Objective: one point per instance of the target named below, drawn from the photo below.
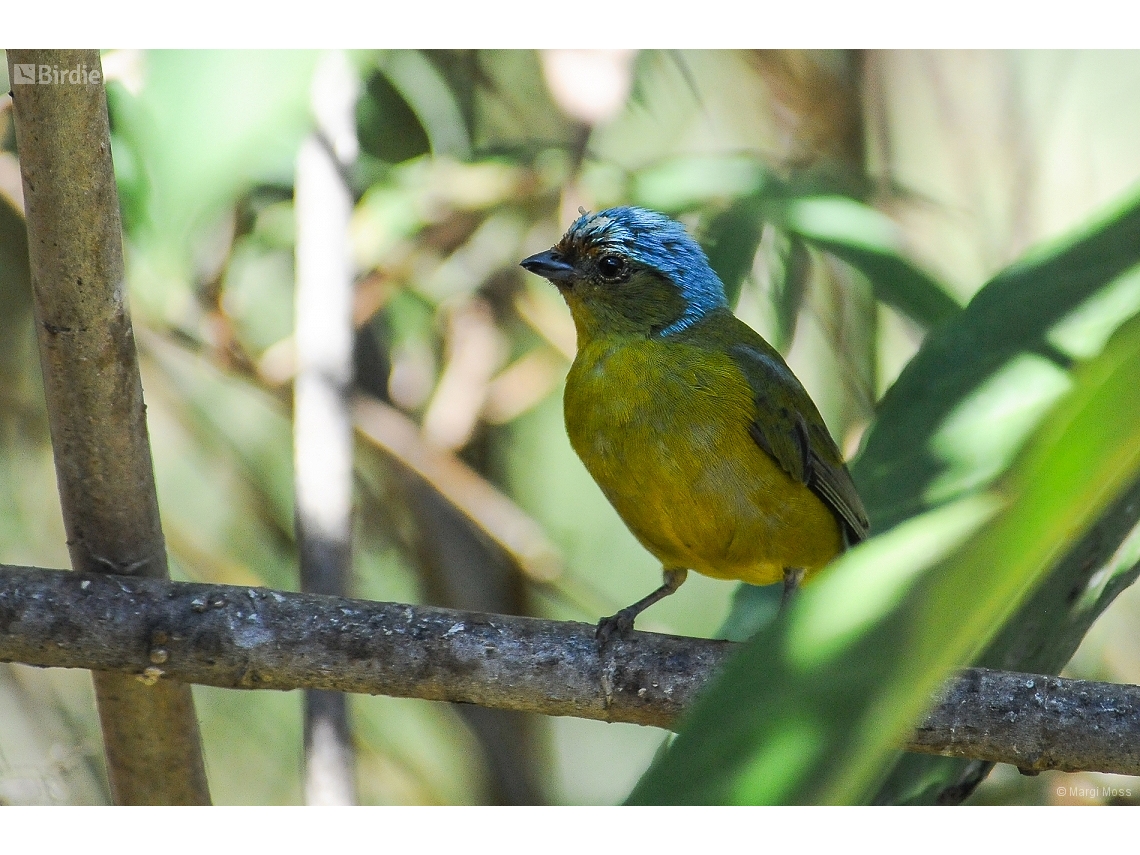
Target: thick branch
(1035, 722)
(254, 638)
(94, 396)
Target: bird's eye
(611, 266)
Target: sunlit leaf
(1062, 302)
(206, 124)
(991, 366)
(1086, 287)
(204, 128)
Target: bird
(693, 426)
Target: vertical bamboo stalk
(322, 416)
(94, 399)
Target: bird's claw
(610, 629)
(615, 626)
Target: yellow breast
(663, 427)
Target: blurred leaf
(789, 289)
(820, 107)
(435, 104)
(206, 124)
(753, 608)
(513, 113)
(844, 675)
(730, 240)
(223, 468)
(257, 292)
(387, 127)
(127, 118)
(856, 233)
(462, 498)
(684, 183)
(20, 385)
(462, 70)
(867, 240)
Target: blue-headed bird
(694, 427)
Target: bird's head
(630, 271)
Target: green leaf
(947, 426)
(962, 407)
(789, 289)
(868, 241)
(811, 709)
(1040, 638)
(730, 240)
(208, 124)
(421, 85)
(387, 127)
(684, 183)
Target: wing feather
(791, 430)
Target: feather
(790, 429)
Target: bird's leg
(622, 622)
(792, 578)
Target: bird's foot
(610, 630)
(615, 626)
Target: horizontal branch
(1035, 722)
(255, 638)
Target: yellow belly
(663, 429)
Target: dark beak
(549, 265)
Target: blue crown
(660, 243)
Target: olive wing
(790, 429)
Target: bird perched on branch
(694, 427)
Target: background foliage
(965, 216)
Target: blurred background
(467, 493)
